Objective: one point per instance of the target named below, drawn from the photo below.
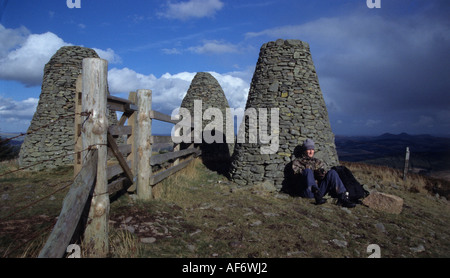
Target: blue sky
(381, 70)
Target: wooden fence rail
(72, 208)
(119, 156)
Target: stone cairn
(285, 77)
(48, 145)
(204, 87)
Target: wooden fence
(110, 158)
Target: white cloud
(26, 63)
(171, 51)
(19, 109)
(169, 90)
(192, 9)
(127, 80)
(10, 38)
(214, 47)
(109, 55)
(234, 87)
(210, 47)
(16, 114)
(24, 55)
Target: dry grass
(173, 187)
(124, 244)
(223, 220)
(199, 213)
(381, 177)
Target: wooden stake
(94, 134)
(405, 170)
(144, 149)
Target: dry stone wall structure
(285, 77)
(206, 88)
(46, 146)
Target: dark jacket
(304, 162)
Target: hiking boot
(318, 198)
(344, 201)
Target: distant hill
(9, 149)
(428, 154)
(15, 142)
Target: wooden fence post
(94, 134)
(144, 149)
(405, 170)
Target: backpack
(354, 188)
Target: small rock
(132, 197)
(196, 232)
(256, 223)
(131, 229)
(148, 240)
(128, 219)
(380, 227)
(295, 253)
(417, 249)
(191, 247)
(205, 206)
(339, 243)
(346, 210)
(270, 214)
(282, 196)
(384, 202)
(236, 244)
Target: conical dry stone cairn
(285, 77)
(56, 107)
(205, 88)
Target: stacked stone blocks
(51, 132)
(285, 77)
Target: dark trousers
(331, 183)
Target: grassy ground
(198, 213)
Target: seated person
(312, 169)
